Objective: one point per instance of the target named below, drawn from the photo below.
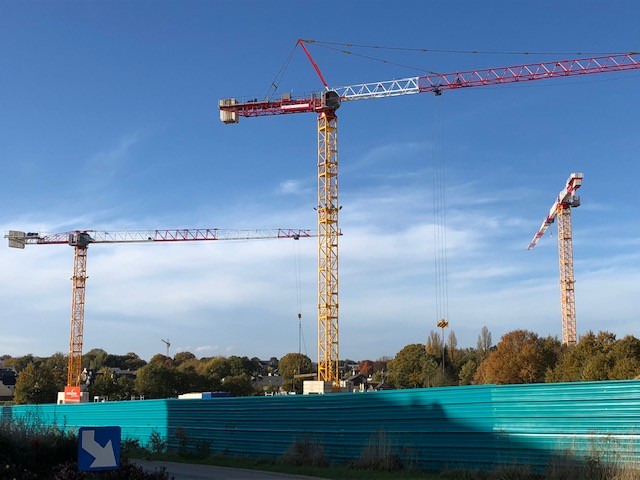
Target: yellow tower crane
(81, 239)
(561, 209)
(325, 104)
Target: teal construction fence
(481, 426)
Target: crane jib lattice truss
(81, 239)
(325, 104)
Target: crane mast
(326, 102)
(561, 209)
(81, 239)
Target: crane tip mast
(561, 209)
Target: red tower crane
(81, 239)
(561, 208)
(325, 104)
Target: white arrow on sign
(104, 456)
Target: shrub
(304, 452)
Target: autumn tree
(453, 345)
(434, 344)
(520, 357)
(365, 367)
(36, 384)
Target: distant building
(268, 382)
(8, 379)
(360, 383)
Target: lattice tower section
(567, 293)
(328, 247)
(77, 316)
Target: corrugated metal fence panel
(476, 426)
(138, 419)
(430, 427)
(536, 422)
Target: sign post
(98, 448)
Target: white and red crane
(561, 209)
(325, 104)
(81, 239)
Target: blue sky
(108, 119)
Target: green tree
(105, 384)
(133, 362)
(126, 388)
(467, 372)
(407, 369)
(598, 357)
(625, 354)
(156, 380)
(189, 379)
(58, 364)
(289, 366)
(182, 357)
(19, 363)
(36, 384)
(240, 366)
(215, 370)
(238, 385)
(163, 359)
(94, 359)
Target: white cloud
(289, 187)
(242, 297)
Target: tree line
(520, 356)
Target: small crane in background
(81, 239)
(561, 209)
(168, 344)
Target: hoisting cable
(380, 60)
(275, 84)
(298, 276)
(464, 52)
(440, 220)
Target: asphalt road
(187, 471)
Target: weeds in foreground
(305, 452)
(379, 454)
(33, 450)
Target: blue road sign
(98, 448)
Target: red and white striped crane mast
(325, 104)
